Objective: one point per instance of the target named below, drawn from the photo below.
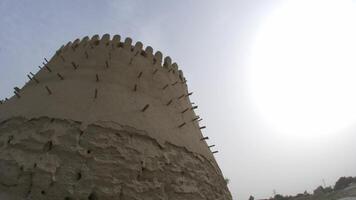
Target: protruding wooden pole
(49, 69)
(145, 108)
(181, 96)
(210, 146)
(203, 127)
(214, 152)
(60, 76)
(96, 93)
(48, 90)
(205, 138)
(185, 110)
(165, 87)
(17, 94)
(139, 75)
(29, 77)
(36, 80)
(74, 65)
(196, 118)
(194, 107)
(46, 60)
(169, 102)
(190, 93)
(181, 125)
(17, 89)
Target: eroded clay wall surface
(48, 158)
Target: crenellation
(167, 62)
(83, 42)
(181, 76)
(174, 67)
(128, 44)
(155, 59)
(105, 40)
(137, 48)
(158, 58)
(149, 54)
(67, 46)
(116, 41)
(60, 49)
(94, 41)
(75, 44)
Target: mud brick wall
(105, 119)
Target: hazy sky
(274, 80)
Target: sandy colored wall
(118, 66)
(135, 107)
(55, 159)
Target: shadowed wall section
(105, 119)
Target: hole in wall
(79, 176)
(11, 137)
(48, 146)
(92, 196)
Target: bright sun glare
(302, 72)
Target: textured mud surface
(54, 159)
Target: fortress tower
(105, 119)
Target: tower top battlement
(156, 58)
